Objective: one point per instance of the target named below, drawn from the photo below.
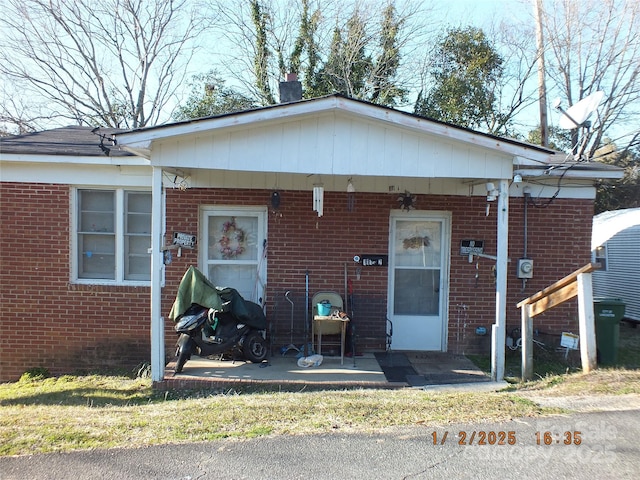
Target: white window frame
(119, 227)
(603, 260)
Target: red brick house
(281, 199)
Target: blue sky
(482, 13)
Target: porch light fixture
(492, 192)
(318, 199)
(517, 178)
(177, 179)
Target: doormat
(395, 366)
(392, 359)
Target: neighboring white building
(615, 244)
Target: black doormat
(395, 366)
(392, 359)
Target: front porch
(321, 182)
(425, 370)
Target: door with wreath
(233, 249)
(418, 279)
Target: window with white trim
(112, 236)
(600, 257)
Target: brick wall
(559, 242)
(47, 321)
(299, 241)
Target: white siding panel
(351, 148)
(165, 153)
(220, 150)
(290, 159)
(621, 279)
(344, 134)
(323, 153)
(375, 160)
(429, 154)
(392, 152)
(244, 151)
(331, 145)
(203, 150)
(410, 155)
(452, 162)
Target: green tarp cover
(196, 288)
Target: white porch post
(586, 318)
(498, 332)
(157, 264)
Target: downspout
(157, 265)
(498, 332)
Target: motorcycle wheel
(254, 347)
(183, 355)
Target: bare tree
(114, 63)
(17, 115)
(515, 93)
(595, 45)
(254, 61)
(363, 46)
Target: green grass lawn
(40, 414)
(549, 360)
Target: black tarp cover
(196, 288)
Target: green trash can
(608, 313)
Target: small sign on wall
(372, 260)
(185, 240)
(569, 340)
(471, 247)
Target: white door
(233, 250)
(418, 280)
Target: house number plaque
(471, 247)
(373, 260)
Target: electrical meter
(525, 268)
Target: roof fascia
(554, 171)
(75, 159)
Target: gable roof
(104, 145)
(65, 141)
(139, 141)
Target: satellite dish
(577, 115)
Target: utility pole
(542, 89)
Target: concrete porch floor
(426, 370)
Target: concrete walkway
(427, 370)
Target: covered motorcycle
(213, 320)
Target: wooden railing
(578, 284)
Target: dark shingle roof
(71, 141)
